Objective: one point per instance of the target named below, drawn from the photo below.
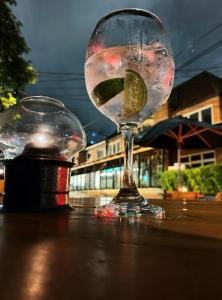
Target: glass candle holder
(38, 138)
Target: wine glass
(129, 73)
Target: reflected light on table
(184, 205)
(39, 266)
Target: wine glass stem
(128, 132)
(128, 192)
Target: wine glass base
(127, 209)
(129, 195)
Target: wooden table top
(52, 256)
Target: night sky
(58, 32)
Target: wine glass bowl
(129, 68)
(129, 73)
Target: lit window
(194, 116)
(195, 157)
(204, 115)
(198, 159)
(185, 159)
(110, 150)
(100, 154)
(114, 148)
(208, 155)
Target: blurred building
(100, 165)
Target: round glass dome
(41, 126)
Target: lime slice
(135, 94)
(107, 89)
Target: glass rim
(42, 99)
(133, 11)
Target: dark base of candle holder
(62, 208)
(36, 185)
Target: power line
(201, 54)
(60, 73)
(90, 123)
(212, 68)
(80, 97)
(64, 95)
(202, 37)
(62, 80)
(210, 31)
(58, 88)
